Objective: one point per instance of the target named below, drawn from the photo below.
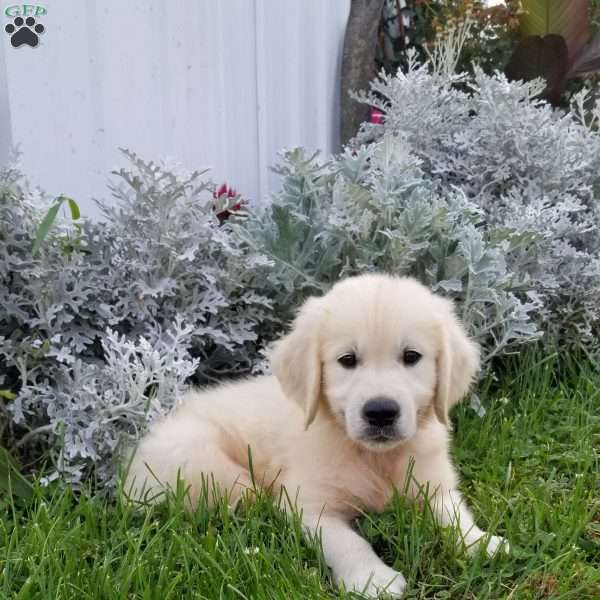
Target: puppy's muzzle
(380, 412)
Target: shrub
(98, 337)
(523, 38)
(470, 184)
(492, 36)
(478, 189)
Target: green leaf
(7, 395)
(75, 213)
(45, 226)
(568, 18)
(11, 479)
(50, 217)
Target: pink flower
(376, 117)
(223, 190)
(222, 195)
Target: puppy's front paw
(379, 579)
(494, 544)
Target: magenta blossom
(376, 117)
(222, 206)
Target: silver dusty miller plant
(101, 332)
(533, 171)
(94, 410)
(471, 185)
(375, 208)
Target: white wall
(209, 83)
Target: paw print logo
(24, 32)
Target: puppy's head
(376, 351)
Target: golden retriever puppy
(362, 387)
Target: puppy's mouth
(382, 436)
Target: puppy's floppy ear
(458, 361)
(296, 360)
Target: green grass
(530, 469)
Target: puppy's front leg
(448, 505)
(352, 560)
(450, 508)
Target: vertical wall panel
(299, 47)
(5, 125)
(205, 83)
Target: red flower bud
(221, 191)
(222, 194)
(376, 117)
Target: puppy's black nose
(380, 412)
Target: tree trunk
(358, 62)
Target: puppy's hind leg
(178, 449)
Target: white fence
(224, 84)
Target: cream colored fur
(306, 429)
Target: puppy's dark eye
(348, 360)
(411, 357)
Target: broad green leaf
(45, 226)
(7, 395)
(568, 18)
(50, 217)
(11, 480)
